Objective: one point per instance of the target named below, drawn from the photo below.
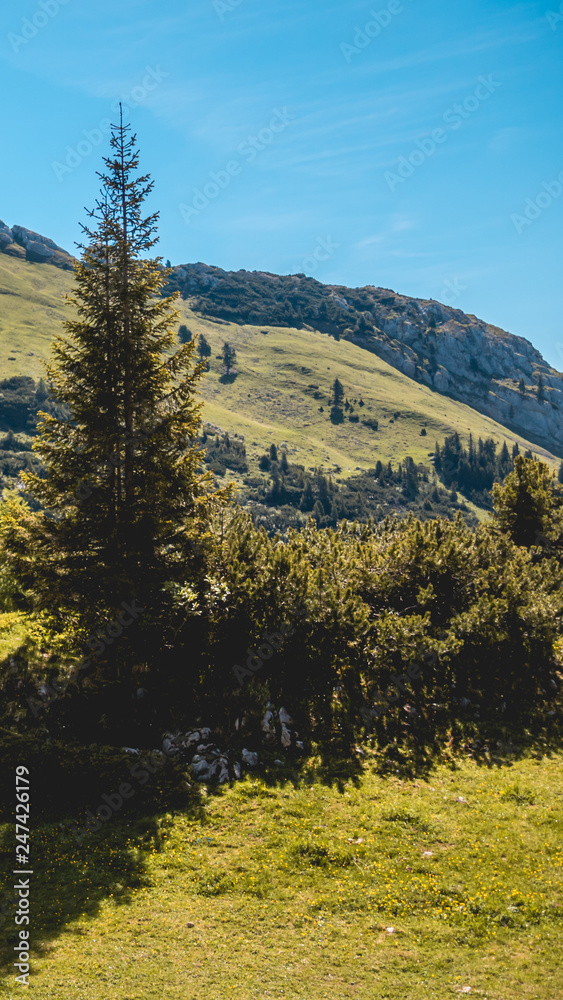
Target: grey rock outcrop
(496, 373)
(31, 246)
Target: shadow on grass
(75, 869)
(72, 880)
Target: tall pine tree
(124, 493)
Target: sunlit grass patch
(386, 888)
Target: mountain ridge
(452, 352)
(455, 354)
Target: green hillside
(32, 308)
(272, 398)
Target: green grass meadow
(365, 887)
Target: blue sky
(413, 146)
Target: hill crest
(453, 353)
(500, 375)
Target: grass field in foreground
(384, 888)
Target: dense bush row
(328, 622)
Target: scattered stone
(250, 758)
(428, 854)
(189, 924)
(168, 745)
(390, 930)
(268, 725)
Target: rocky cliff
(24, 243)
(495, 372)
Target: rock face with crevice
(31, 246)
(458, 355)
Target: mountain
(284, 373)
(27, 245)
(500, 375)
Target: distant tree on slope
(229, 358)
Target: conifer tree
(123, 492)
(337, 392)
(540, 389)
(524, 504)
(229, 358)
(203, 347)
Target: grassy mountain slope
(32, 308)
(272, 398)
(275, 390)
(459, 355)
